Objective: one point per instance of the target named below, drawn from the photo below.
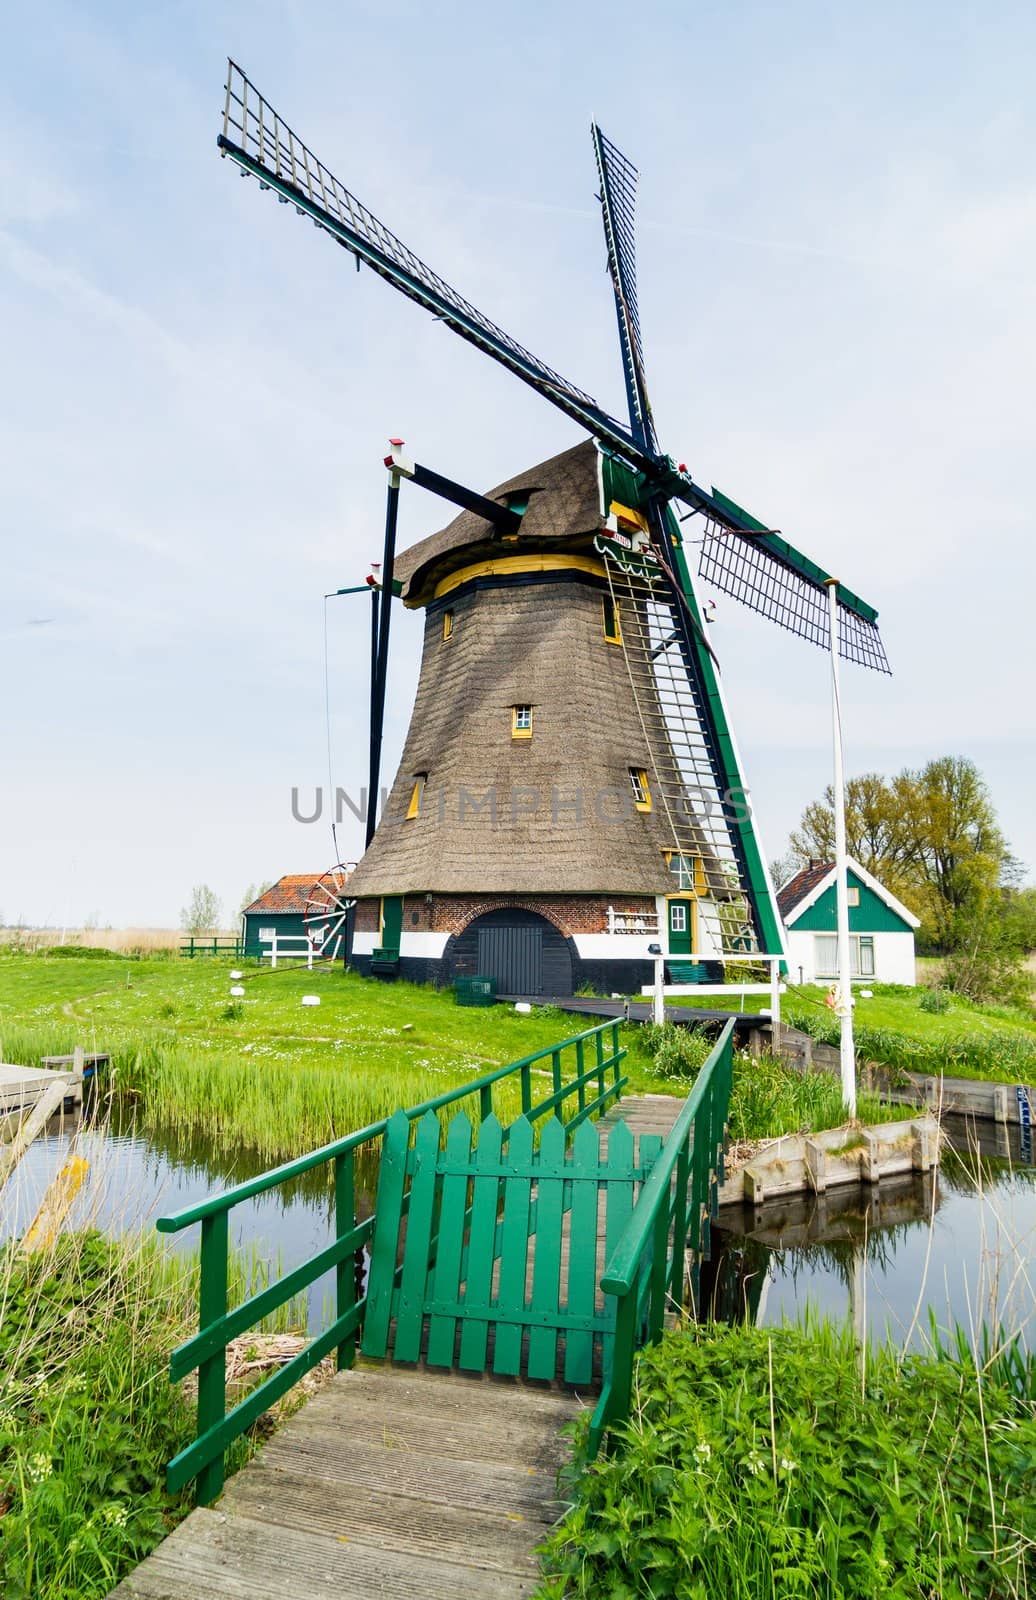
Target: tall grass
(761, 1464)
(997, 1055)
(767, 1097)
(88, 1417)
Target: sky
(837, 231)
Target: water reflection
(136, 1176)
(960, 1247)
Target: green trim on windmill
(764, 901)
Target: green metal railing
(596, 1082)
(646, 1270)
(192, 946)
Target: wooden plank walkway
(394, 1481)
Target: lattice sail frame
(252, 127)
(739, 565)
(619, 179)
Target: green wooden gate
(486, 1258)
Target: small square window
(852, 896)
(521, 722)
(447, 624)
(641, 788)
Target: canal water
(960, 1245)
(135, 1177)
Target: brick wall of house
(572, 914)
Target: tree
(930, 835)
(203, 911)
(253, 892)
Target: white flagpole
(845, 989)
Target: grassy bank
(88, 1417)
(760, 1465)
(263, 1073)
(767, 1098)
(268, 1078)
(897, 1027)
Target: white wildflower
(38, 1467)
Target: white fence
(287, 946)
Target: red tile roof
(801, 885)
(289, 893)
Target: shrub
(676, 1051)
(936, 1000)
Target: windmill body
(570, 796)
(527, 829)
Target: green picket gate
(485, 1255)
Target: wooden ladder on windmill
(683, 765)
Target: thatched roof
(563, 503)
(540, 645)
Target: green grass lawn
(265, 1072)
(266, 1075)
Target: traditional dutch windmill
(570, 794)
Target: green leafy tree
(931, 835)
(202, 912)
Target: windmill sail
(738, 555)
(619, 179)
(757, 566)
(263, 145)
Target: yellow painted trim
(504, 566)
(447, 624)
(414, 808)
(520, 733)
(641, 774)
(616, 637)
(634, 519)
(701, 883)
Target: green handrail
(217, 1428)
(645, 1271)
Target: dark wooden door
(514, 957)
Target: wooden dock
(22, 1088)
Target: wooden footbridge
(505, 1280)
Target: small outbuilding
(278, 913)
(881, 928)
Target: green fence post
(659, 1272)
(212, 1372)
(580, 1069)
(616, 1063)
(345, 1272)
(680, 1223)
(485, 1101)
(526, 1076)
(555, 1072)
(599, 1045)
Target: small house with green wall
(279, 912)
(881, 928)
